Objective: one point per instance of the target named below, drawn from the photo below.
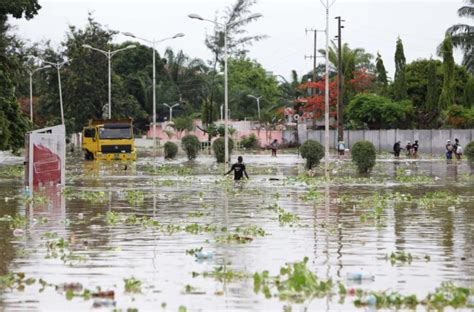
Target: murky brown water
(329, 232)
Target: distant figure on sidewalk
(397, 148)
(239, 169)
(341, 147)
(449, 150)
(274, 146)
(457, 149)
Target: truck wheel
(89, 156)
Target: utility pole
(314, 58)
(340, 83)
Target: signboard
(45, 157)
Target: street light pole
(109, 54)
(31, 73)
(226, 104)
(171, 109)
(58, 66)
(327, 5)
(153, 44)
(258, 103)
(226, 27)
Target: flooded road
(137, 229)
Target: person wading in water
(239, 169)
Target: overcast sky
(373, 25)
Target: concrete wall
(430, 141)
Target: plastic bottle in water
(358, 276)
(27, 192)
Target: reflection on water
(330, 232)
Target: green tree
(446, 98)
(239, 15)
(352, 60)
(400, 83)
(13, 124)
(463, 35)
(432, 93)
(249, 77)
(377, 112)
(181, 124)
(19, 8)
(381, 74)
(468, 97)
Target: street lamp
(153, 44)
(31, 73)
(58, 66)
(109, 54)
(171, 109)
(226, 27)
(258, 103)
(327, 5)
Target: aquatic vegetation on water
(399, 256)
(15, 281)
(312, 195)
(234, 238)
(12, 171)
(295, 283)
(284, 217)
(132, 285)
(167, 170)
(251, 231)
(432, 199)
(15, 222)
(222, 274)
(135, 198)
(404, 176)
(93, 197)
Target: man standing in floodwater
(449, 150)
(239, 169)
(396, 149)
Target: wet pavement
(117, 221)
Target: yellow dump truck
(109, 140)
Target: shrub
(363, 155)
(250, 141)
(313, 152)
(191, 145)
(219, 149)
(171, 150)
(469, 151)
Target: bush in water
(363, 155)
(191, 145)
(171, 150)
(219, 151)
(313, 152)
(469, 151)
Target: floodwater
(333, 227)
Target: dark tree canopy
(19, 8)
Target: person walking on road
(239, 169)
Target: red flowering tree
(313, 106)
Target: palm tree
(352, 59)
(463, 35)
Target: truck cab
(109, 140)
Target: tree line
(426, 93)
